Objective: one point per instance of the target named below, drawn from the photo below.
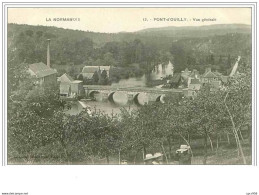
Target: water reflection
(109, 107)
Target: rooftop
(218, 73)
(41, 70)
(209, 74)
(65, 78)
(76, 81)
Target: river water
(108, 107)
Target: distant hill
(204, 27)
(196, 31)
(53, 32)
(170, 32)
(189, 46)
(166, 35)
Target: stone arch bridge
(129, 95)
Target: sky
(112, 20)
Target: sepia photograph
(129, 86)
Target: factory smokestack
(48, 53)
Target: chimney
(48, 53)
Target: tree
(29, 33)
(212, 60)
(80, 77)
(106, 134)
(30, 108)
(39, 34)
(74, 134)
(205, 114)
(238, 104)
(220, 60)
(180, 56)
(229, 61)
(103, 78)
(85, 136)
(108, 59)
(142, 131)
(95, 77)
(83, 50)
(72, 72)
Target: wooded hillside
(216, 46)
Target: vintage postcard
(118, 84)
(129, 86)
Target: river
(108, 107)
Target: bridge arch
(140, 99)
(118, 98)
(135, 99)
(161, 99)
(92, 94)
(110, 97)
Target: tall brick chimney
(48, 53)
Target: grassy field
(224, 156)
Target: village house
(209, 76)
(43, 73)
(195, 84)
(216, 85)
(70, 87)
(88, 71)
(193, 75)
(77, 88)
(65, 78)
(65, 85)
(185, 74)
(212, 78)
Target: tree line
(216, 52)
(125, 50)
(30, 46)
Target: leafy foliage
(217, 52)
